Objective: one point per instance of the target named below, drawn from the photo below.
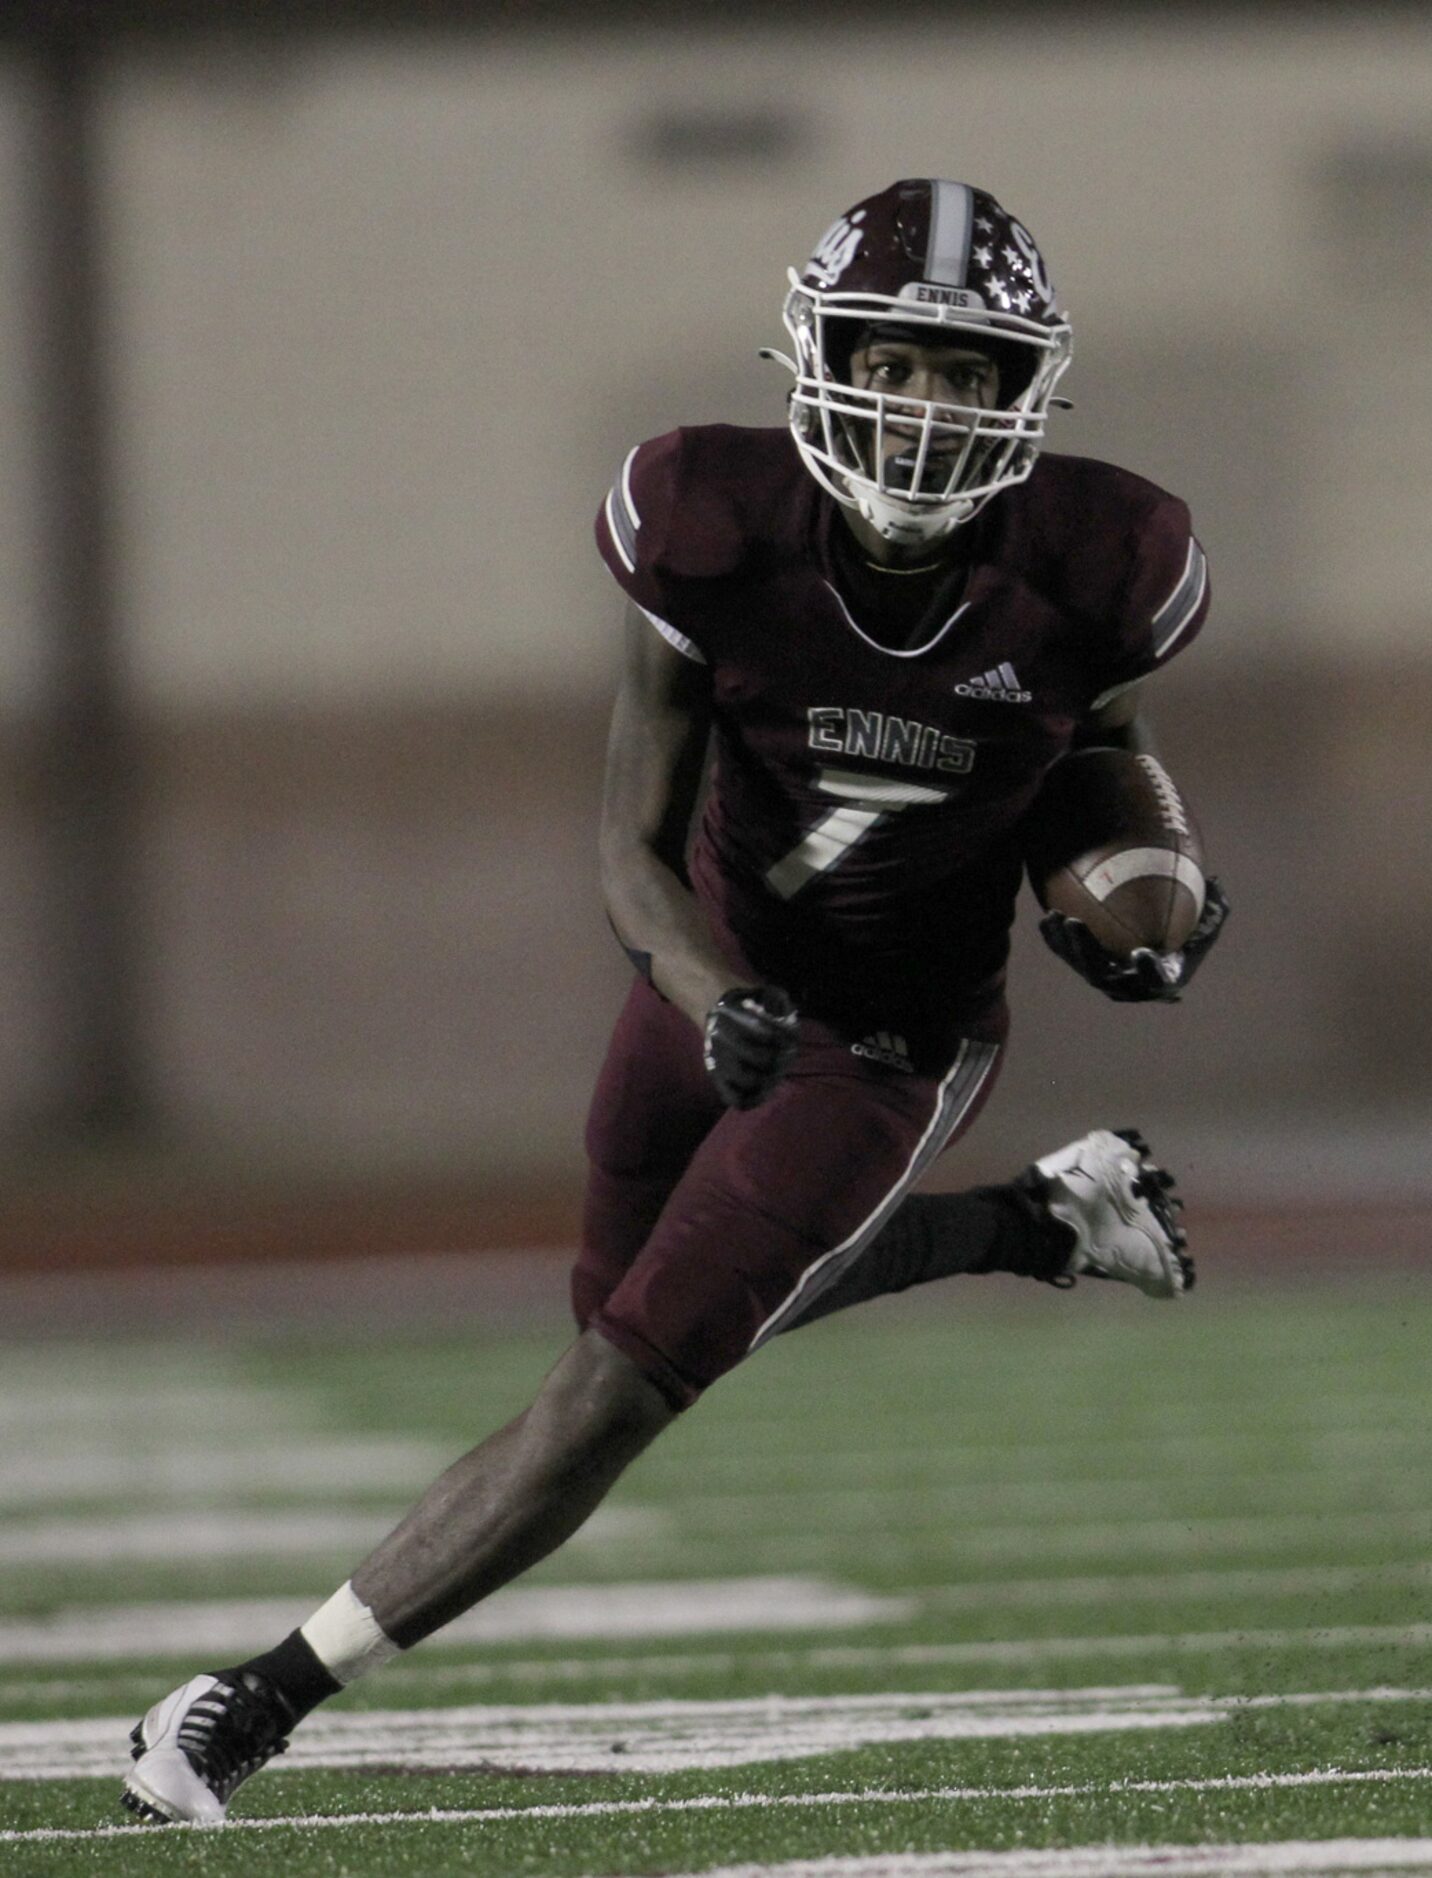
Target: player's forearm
(1120, 725)
(658, 920)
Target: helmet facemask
(954, 457)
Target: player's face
(948, 377)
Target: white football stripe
(54, 1414)
(982, 1467)
(330, 1468)
(1115, 1861)
(747, 1802)
(1144, 864)
(672, 1737)
(981, 1654)
(1173, 1587)
(247, 1534)
(522, 1613)
(1176, 1535)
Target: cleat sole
(144, 1810)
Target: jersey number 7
(865, 800)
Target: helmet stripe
(951, 214)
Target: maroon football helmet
(936, 263)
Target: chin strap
(907, 527)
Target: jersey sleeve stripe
(622, 534)
(673, 637)
(622, 517)
(628, 499)
(1183, 603)
(958, 1092)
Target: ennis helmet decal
(936, 263)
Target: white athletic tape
(1144, 864)
(347, 1638)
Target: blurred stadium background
(322, 331)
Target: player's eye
(889, 372)
(968, 377)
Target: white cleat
(193, 1749)
(1122, 1210)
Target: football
(1111, 841)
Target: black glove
(749, 1043)
(1144, 974)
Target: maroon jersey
(860, 839)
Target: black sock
(938, 1235)
(296, 1673)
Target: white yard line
(177, 1537)
(333, 1468)
(680, 1736)
(742, 1802)
(1172, 1587)
(430, 1674)
(536, 1670)
(746, 1451)
(523, 1613)
(103, 1411)
(666, 1536)
(972, 1538)
(235, 1627)
(1104, 1861)
(172, 1537)
(1287, 1490)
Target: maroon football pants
(707, 1230)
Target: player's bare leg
(508, 1503)
(516, 1496)
(1101, 1206)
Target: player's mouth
(934, 473)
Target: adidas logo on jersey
(1000, 686)
(887, 1048)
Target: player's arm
(1120, 724)
(656, 751)
(655, 760)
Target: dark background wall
(319, 350)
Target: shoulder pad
(696, 503)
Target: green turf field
(1005, 1581)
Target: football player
(854, 645)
